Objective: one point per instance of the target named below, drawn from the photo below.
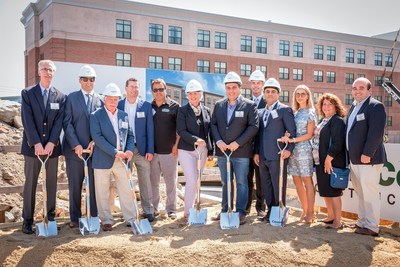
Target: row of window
(124, 30)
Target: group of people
(154, 136)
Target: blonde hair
(296, 105)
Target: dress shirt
(114, 121)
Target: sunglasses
(155, 90)
(85, 79)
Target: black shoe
(27, 228)
(242, 219)
(150, 217)
(172, 215)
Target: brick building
(131, 34)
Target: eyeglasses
(47, 70)
(301, 94)
(85, 79)
(155, 90)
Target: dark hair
(158, 81)
(340, 109)
(130, 80)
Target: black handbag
(339, 178)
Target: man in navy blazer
(364, 141)
(79, 105)
(114, 141)
(42, 114)
(141, 121)
(234, 123)
(275, 120)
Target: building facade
(131, 34)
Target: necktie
(89, 103)
(256, 101)
(45, 97)
(266, 113)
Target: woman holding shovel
(193, 127)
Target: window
(389, 121)
(124, 29)
(378, 97)
(349, 55)
(155, 62)
(220, 40)
(245, 69)
(245, 92)
(174, 63)
(318, 76)
(318, 52)
(388, 100)
(378, 80)
(284, 73)
(263, 69)
(284, 96)
(298, 74)
(220, 67)
(360, 57)
(378, 59)
(261, 45)
(331, 53)
(348, 100)
(174, 35)
(245, 43)
(122, 59)
(388, 60)
(41, 29)
(284, 48)
(317, 96)
(330, 77)
(155, 33)
(203, 66)
(203, 38)
(360, 75)
(349, 78)
(297, 49)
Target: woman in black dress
(329, 151)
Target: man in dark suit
(140, 117)
(42, 115)
(364, 141)
(234, 123)
(275, 120)
(257, 80)
(77, 137)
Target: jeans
(239, 167)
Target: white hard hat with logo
(232, 77)
(257, 75)
(193, 86)
(87, 71)
(112, 90)
(272, 83)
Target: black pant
(260, 203)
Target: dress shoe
(107, 227)
(27, 228)
(72, 224)
(172, 215)
(326, 222)
(260, 213)
(366, 231)
(355, 226)
(216, 218)
(263, 219)
(150, 217)
(242, 219)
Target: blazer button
(227, 128)
(44, 135)
(44, 123)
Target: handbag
(339, 178)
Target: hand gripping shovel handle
(228, 178)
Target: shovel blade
(142, 227)
(46, 230)
(279, 216)
(89, 225)
(197, 217)
(229, 220)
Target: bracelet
(294, 140)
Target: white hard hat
(193, 86)
(87, 71)
(272, 82)
(257, 75)
(112, 90)
(232, 77)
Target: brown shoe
(73, 225)
(366, 231)
(107, 227)
(354, 226)
(242, 219)
(216, 218)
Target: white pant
(188, 160)
(365, 180)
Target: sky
(359, 17)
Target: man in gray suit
(77, 137)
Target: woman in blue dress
(301, 162)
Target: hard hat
(112, 90)
(193, 86)
(257, 75)
(272, 82)
(87, 71)
(232, 77)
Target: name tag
(54, 106)
(124, 125)
(274, 114)
(165, 110)
(360, 117)
(140, 114)
(239, 114)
